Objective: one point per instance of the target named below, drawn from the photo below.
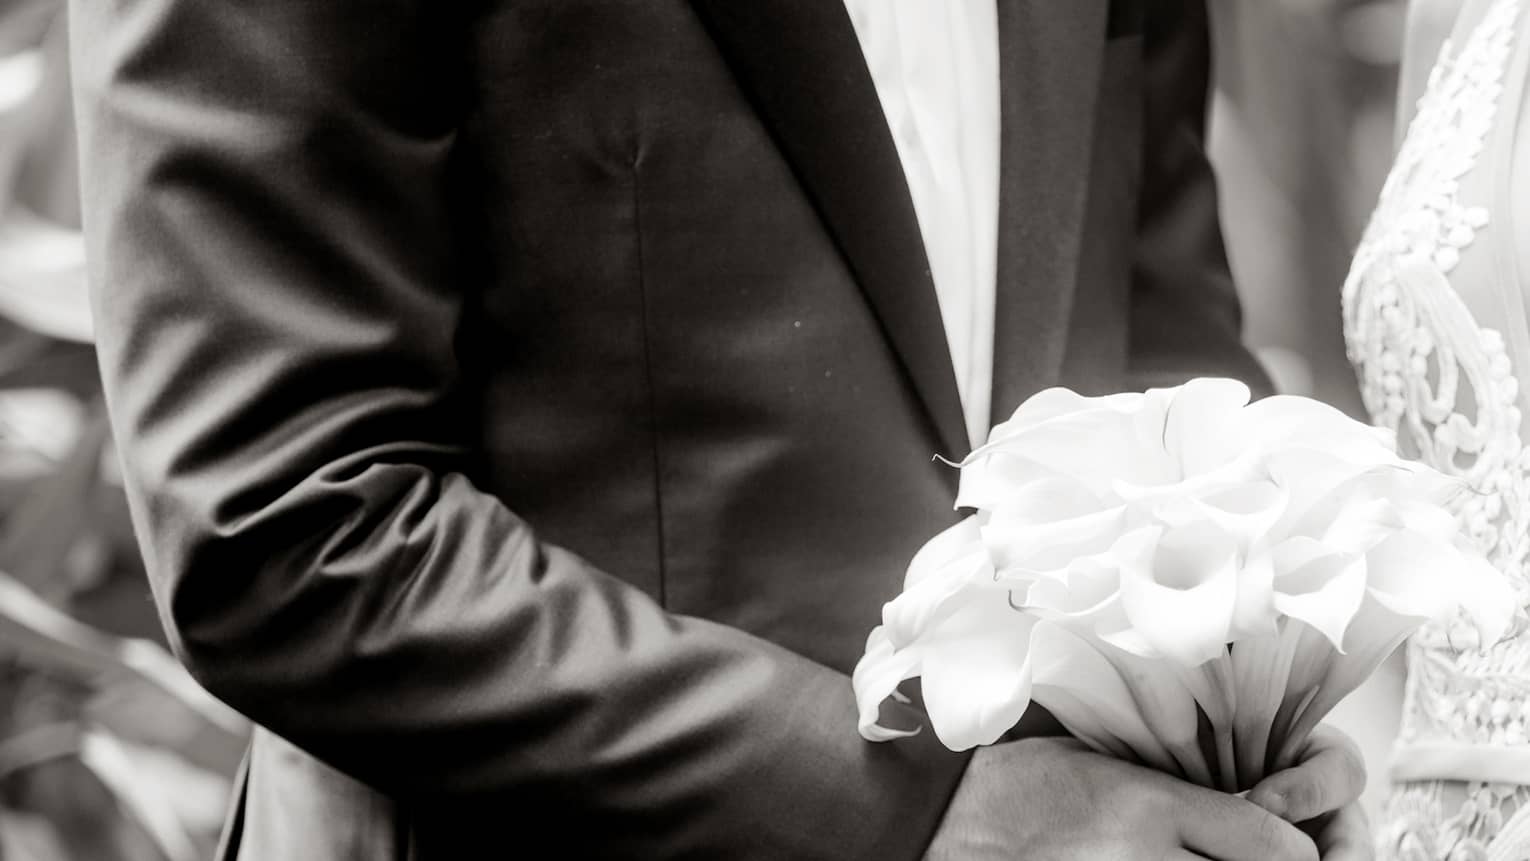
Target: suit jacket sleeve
(1185, 317)
(277, 291)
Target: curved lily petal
(876, 677)
(1324, 488)
(1168, 709)
(1286, 422)
(1410, 580)
(1085, 692)
(974, 661)
(1375, 634)
(1095, 446)
(1311, 658)
(1244, 509)
(988, 480)
(1197, 423)
(1084, 723)
(1254, 612)
(1323, 589)
(1261, 668)
(960, 540)
(1019, 541)
(1087, 599)
(1051, 403)
(1215, 690)
(948, 563)
(1415, 577)
(1048, 500)
(977, 673)
(1352, 509)
(1182, 601)
(907, 617)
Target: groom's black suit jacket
(527, 405)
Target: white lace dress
(1435, 319)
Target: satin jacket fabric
(527, 405)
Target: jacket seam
(648, 380)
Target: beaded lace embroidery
(1446, 385)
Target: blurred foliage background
(108, 750)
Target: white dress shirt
(936, 68)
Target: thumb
(1329, 775)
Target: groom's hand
(1052, 799)
(1321, 792)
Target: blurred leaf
(42, 275)
(137, 710)
(48, 639)
(45, 637)
(145, 695)
(21, 76)
(23, 22)
(38, 744)
(27, 837)
(46, 421)
(42, 264)
(66, 547)
(200, 797)
(30, 359)
(38, 535)
(150, 808)
(90, 819)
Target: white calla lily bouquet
(1182, 578)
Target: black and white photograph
(900, 430)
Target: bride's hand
(1322, 793)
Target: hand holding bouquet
(1182, 578)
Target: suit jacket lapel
(1049, 61)
(800, 63)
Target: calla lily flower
(975, 668)
(1179, 589)
(954, 627)
(1405, 588)
(1175, 573)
